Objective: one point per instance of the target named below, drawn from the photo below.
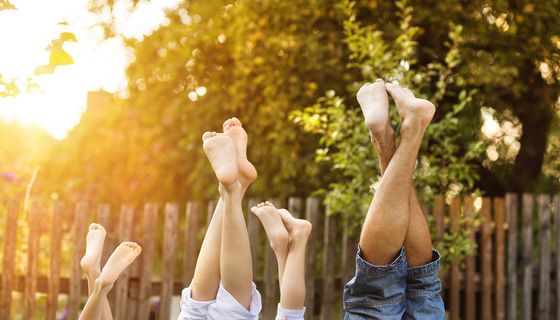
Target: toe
(397, 92)
(235, 122)
(206, 135)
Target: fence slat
(512, 214)
(544, 272)
(557, 220)
(348, 255)
(149, 237)
(54, 269)
(312, 208)
(527, 256)
(455, 287)
(295, 206)
(191, 238)
(32, 260)
(499, 218)
(169, 240)
(470, 293)
(329, 236)
(79, 241)
(121, 287)
(486, 270)
(254, 230)
(9, 257)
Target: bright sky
(99, 64)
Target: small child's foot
(273, 226)
(299, 229)
(415, 113)
(91, 260)
(234, 129)
(374, 102)
(221, 152)
(119, 260)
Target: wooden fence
(513, 273)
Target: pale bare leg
(276, 232)
(418, 242)
(292, 289)
(91, 261)
(387, 221)
(206, 279)
(121, 258)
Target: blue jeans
(394, 291)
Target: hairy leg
(388, 218)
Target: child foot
(273, 226)
(414, 112)
(91, 260)
(374, 102)
(299, 229)
(119, 260)
(220, 150)
(234, 129)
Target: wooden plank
(192, 214)
(254, 230)
(9, 257)
(104, 219)
(486, 250)
(512, 210)
(470, 290)
(121, 287)
(54, 267)
(557, 221)
(312, 212)
(348, 257)
(544, 269)
(439, 216)
(34, 235)
(499, 219)
(329, 245)
(79, 242)
(527, 292)
(455, 284)
(211, 207)
(169, 248)
(149, 238)
(295, 206)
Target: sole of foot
(374, 102)
(221, 153)
(94, 248)
(234, 129)
(119, 260)
(271, 220)
(413, 111)
(299, 229)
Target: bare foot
(299, 229)
(374, 102)
(121, 258)
(221, 152)
(415, 113)
(91, 260)
(274, 227)
(234, 130)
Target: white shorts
(224, 307)
(288, 314)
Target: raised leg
(388, 218)
(121, 258)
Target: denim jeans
(394, 291)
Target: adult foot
(415, 113)
(374, 102)
(221, 152)
(299, 229)
(119, 260)
(91, 260)
(276, 232)
(234, 130)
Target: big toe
(229, 123)
(399, 94)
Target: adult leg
(121, 258)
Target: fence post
(329, 236)
(486, 248)
(121, 287)
(169, 240)
(470, 290)
(312, 215)
(557, 221)
(75, 285)
(349, 247)
(295, 206)
(527, 256)
(54, 279)
(499, 212)
(455, 293)
(544, 272)
(512, 208)
(149, 238)
(10, 233)
(191, 240)
(32, 259)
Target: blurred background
(105, 101)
